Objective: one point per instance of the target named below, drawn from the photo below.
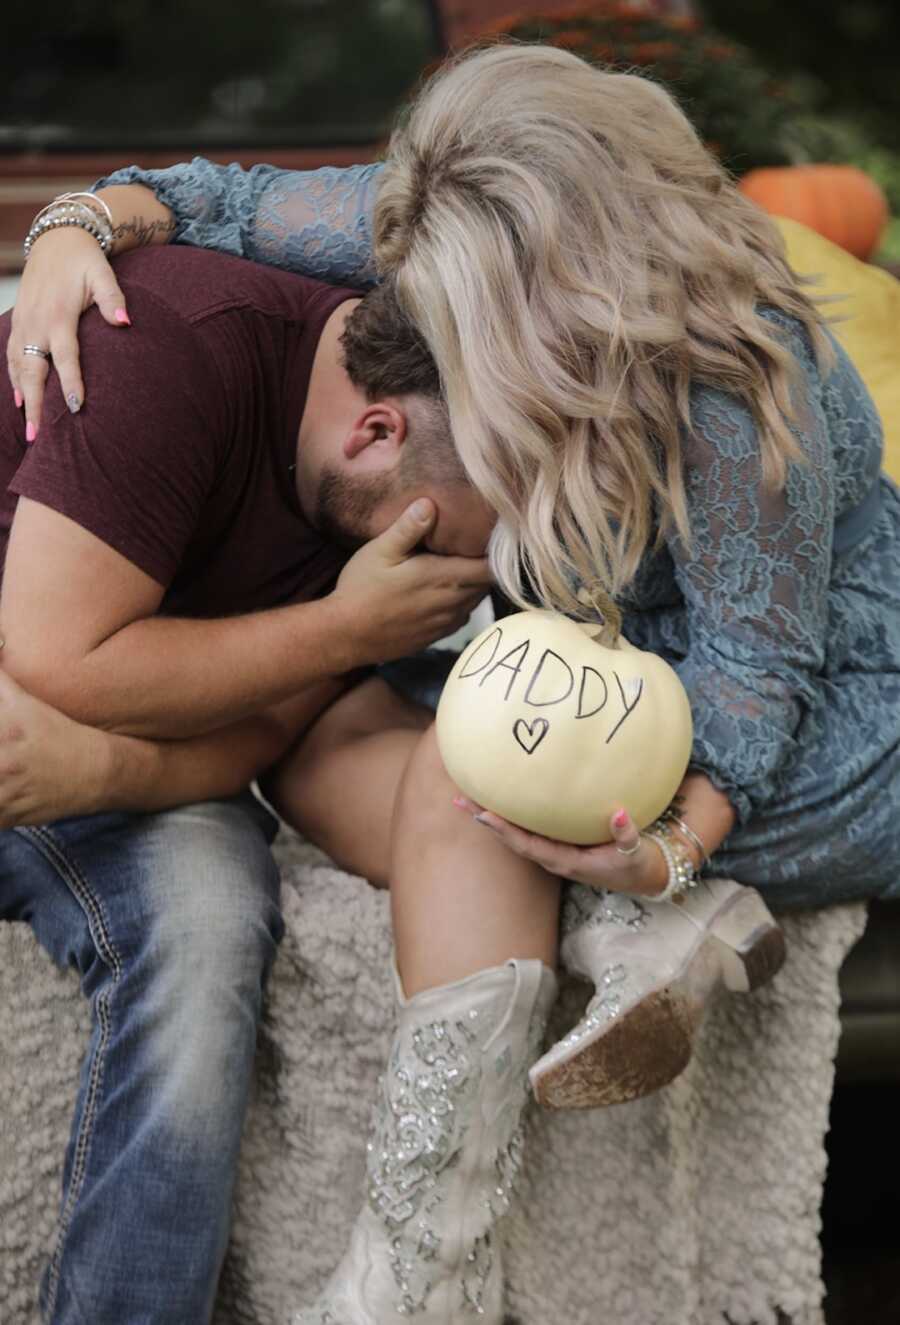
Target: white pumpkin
(544, 725)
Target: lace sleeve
(755, 589)
(315, 222)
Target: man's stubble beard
(345, 506)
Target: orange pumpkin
(840, 202)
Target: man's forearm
(133, 773)
(171, 678)
(82, 632)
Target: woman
(651, 404)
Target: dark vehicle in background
(298, 83)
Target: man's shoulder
(196, 284)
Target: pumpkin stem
(610, 624)
(607, 635)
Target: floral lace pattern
(315, 222)
(787, 641)
(789, 646)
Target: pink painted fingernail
(30, 432)
(459, 802)
(621, 819)
(19, 398)
(121, 316)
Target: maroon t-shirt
(182, 456)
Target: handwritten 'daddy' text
(547, 682)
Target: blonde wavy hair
(575, 258)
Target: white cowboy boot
(654, 966)
(445, 1147)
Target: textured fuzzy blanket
(698, 1206)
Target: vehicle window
(165, 73)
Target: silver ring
(629, 851)
(36, 349)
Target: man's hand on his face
(395, 599)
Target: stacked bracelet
(683, 873)
(691, 837)
(67, 210)
(670, 816)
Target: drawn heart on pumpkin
(538, 725)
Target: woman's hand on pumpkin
(642, 874)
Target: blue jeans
(172, 921)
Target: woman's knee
(366, 710)
(427, 790)
(304, 787)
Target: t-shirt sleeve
(135, 466)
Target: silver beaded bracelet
(66, 210)
(683, 873)
(103, 216)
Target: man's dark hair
(384, 352)
(386, 355)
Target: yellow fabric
(869, 328)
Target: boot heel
(749, 942)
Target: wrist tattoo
(143, 232)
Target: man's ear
(381, 424)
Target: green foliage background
(765, 82)
(842, 59)
(846, 52)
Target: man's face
(352, 509)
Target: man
(176, 572)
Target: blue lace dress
(783, 622)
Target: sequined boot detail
(443, 1154)
(653, 967)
